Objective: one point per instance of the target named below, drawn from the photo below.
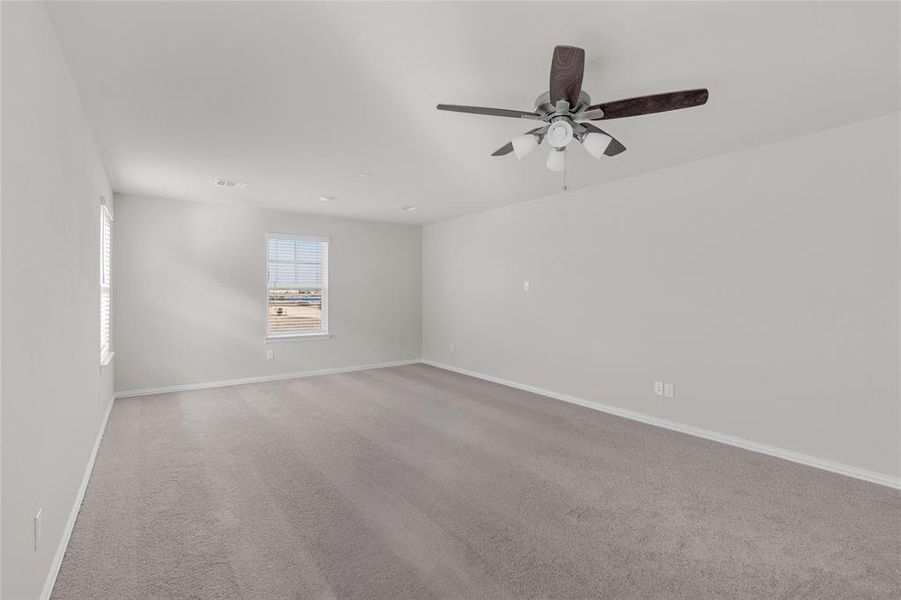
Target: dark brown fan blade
(567, 68)
(503, 150)
(646, 105)
(494, 112)
(615, 146)
(508, 147)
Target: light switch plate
(658, 388)
(270, 354)
(669, 390)
(526, 285)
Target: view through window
(297, 285)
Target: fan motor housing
(543, 104)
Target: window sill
(106, 360)
(298, 337)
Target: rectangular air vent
(231, 183)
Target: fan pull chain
(564, 170)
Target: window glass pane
(104, 322)
(297, 282)
(105, 251)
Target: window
(297, 274)
(106, 221)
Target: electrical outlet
(38, 528)
(669, 390)
(270, 354)
(526, 285)
(658, 388)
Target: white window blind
(105, 251)
(297, 274)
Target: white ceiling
(300, 98)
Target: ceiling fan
(565, 111)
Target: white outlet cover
(526, 285)
(270, 354)
(669, 390)
(658, 388)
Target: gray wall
(54, 393)
(764, 284)
(190, 292)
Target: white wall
(54, 392)
(764, 284)
(190, 292)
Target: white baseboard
(260, 378)
(804, 459)
(70, 523)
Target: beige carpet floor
(414, 482)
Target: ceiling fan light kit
(596, 143)
(560, 133)
(566, 111)
(525, 144)
(556, 159)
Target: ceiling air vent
(231, 183)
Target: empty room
(450, 300)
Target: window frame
(324, 331)
(106, 276)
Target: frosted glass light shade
(556, 160)
(523, 145)
(596, 143)
(559, 134)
